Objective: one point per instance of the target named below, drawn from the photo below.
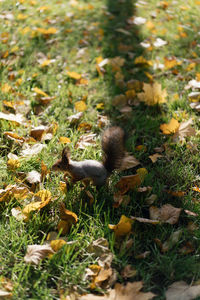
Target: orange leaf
(171, 127)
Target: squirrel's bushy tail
(113, 147)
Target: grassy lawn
(42, 43)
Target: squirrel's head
(63, 163)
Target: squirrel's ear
(65, 155)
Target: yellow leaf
(142, 172)
(14, 136)
(14, 49)
(74, 75)
(45, 63)
(13, 164)
(21, 17)
(100, 105)
(6, 88)
(64, 140)
(19, 81)
(123, 227)
(191, 67)
(130, 94)
(153, 94)
(31, 207)
(44, 195)
(82, 81)
(40, 92)
(67, 215)
(63, 187)
(141, 60)
(80, 106)
(56, 245)
(84, 126)
(171, 127)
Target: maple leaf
(153, 94)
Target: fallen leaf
(13, 164)
(86, 140)
(171, 127)
(129, 161)
(127, 183)
(167, 213)
(64, 227)
(18, 118)
(74, 75)
(73, 119)
(80, 106)
(181, 290)
(154, 157)
(67, 215)
(14, 137)
(40, 92)
(5, 294)
(32, 150)
(143, 220)
(159, 43)
(37, 132)
(153, 94)
(187, 248)
(123, 227)
(35, 253)
(129, 291)
(143, 255)
(56, 245)
(184, 130)
(64, 140)
(195, 105)
(128, 272)
(33, 177)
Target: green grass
(95, 31)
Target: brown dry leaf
(154, 157)
(144, 220)
(176, 193)
(119, 100)
(131, 291)
(153, 94)
(143, 255)
(128, 182)
(44, 170)
(184, 130)
(124, 226)
(35, 253)
(171, 127)
(19, 192)
(151, 199)
(167, 213)
(129, 161)
(38, 132)
(172, 241)
(181, 290)
(86, 140)
(44, 197)
(33, 177)
(101, 280)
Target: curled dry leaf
(143, 255)
(124, 226)
(127, 183)
(5, 294)
(56, 245)
(128, 272)
(64, 140)
(18, 214)
(18, 118)
(167, 213)
(67, 215)
(181, 290)
(38, 132)
(153, 94)
(195, 105)
(143, 220)
(18, 192)
(86, 140)
(35, 253)
(73, 119)
(14, 137)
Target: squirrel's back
(113, 147)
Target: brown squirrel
(112, 144)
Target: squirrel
(112, 143)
